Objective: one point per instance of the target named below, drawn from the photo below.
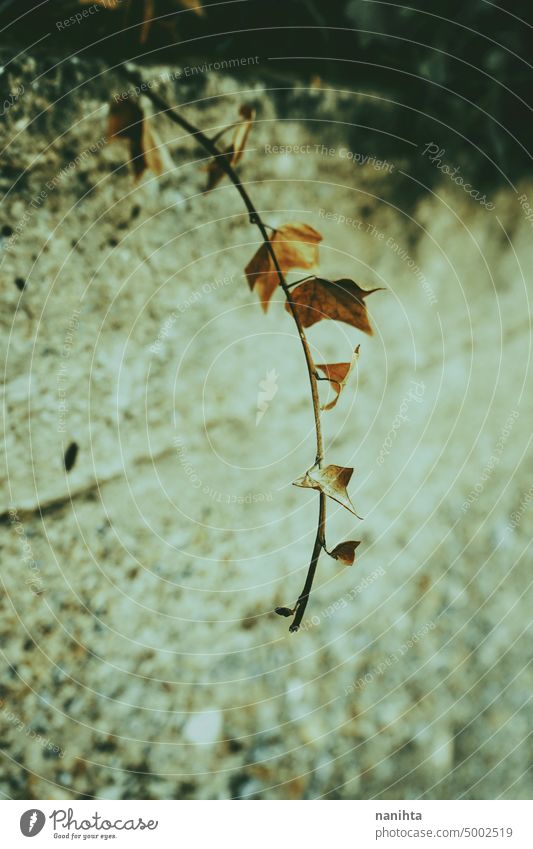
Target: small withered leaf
(332, 481)
(284, 611)
(142, 15)
(194, 5)
(242, 131)
(295, 246)
(262, 275)
(127, 121)
(70, 455)
(345, 551)
(340, 300)
(233, 153)
(338, 374)
(148, 15)
(124, 122)
(107, 4)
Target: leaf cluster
(291, 247)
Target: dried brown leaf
(127, 121)
(295, 246)
(261, 274)
(345, 551)
(143, 13)
(195, 5)
(338, 374)
(340, 300)
(233, 153)
(242, 131)
(332, 481)
(148, 15)
(107, 4)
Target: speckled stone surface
(140, 654)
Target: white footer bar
(269, 824)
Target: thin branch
(301, 280)
(303, 598)
(256, 219)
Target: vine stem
(210, 146)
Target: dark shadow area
(446, 72)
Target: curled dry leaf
(284, 611)
(332, 481)
(345, 551)
(338, 374)
(127, 121)
(233, 153)
(295, 246)
(341, 300)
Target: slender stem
(301, 280)
(255, 218)
(303, 598)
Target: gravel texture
(141, 657)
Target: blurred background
(148, 522)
